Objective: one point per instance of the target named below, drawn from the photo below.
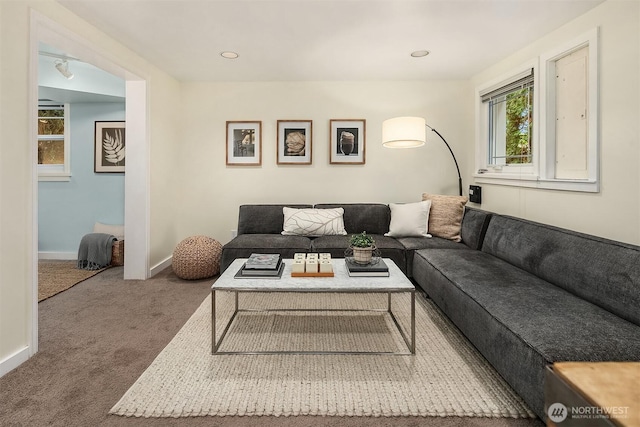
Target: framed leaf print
(109, 147)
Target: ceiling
(88, 84)
(323, 40)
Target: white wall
(17, 186)
(614, 212)
(212, 191)
(166, 184)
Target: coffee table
(397, 282)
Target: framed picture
(244, 143)
(110, 147)
(347, 143)
(294, 142)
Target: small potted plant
(363, 246)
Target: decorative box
(312, 265)
(298, 266)
(326, 266)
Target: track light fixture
(63, 68)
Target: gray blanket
(94, 252)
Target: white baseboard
(73, 256)
(58, 255)
(13, 361)
(161, 266)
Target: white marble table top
(341, 282)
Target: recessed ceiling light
(420, 53)
(229, 55)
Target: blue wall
(68, 210)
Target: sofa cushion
(518, 321)
(313, 222)
(409, 219)
(412, 244)
(603, 272)
(262, 219)
(445, 217)
(474, 227)
(373, 218)
(245, 244)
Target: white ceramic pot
(362, 255)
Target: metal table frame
(411, 343)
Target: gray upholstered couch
(535, 294)
(525, 294)
(259, 228)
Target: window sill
(532, 181)
(54, 177)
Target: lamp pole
(452, 155)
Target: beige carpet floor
(447, 377)
(98, 337)
(55, 276)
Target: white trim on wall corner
(161, 266)
(13, 361)
(58, 255)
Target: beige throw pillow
(445, 216)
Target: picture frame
(244, 143)
(110, 147)
(347, 141)
(294, 142)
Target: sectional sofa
(260, 228)
(525, 294)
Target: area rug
(55, 276)
(446, 377)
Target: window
(53, 143)
(538, 127)
(507, 134)
(510, 111)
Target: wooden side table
(590, 394)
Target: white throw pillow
(409, 219)
(313, 222)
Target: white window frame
(542, 172)
(548, 116)
(58, 172)
(507, 174)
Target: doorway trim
(137, 174)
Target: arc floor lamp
(410, 132)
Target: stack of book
(263, 266)
(378, 268)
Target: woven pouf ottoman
(197, 257)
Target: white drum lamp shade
(409, 132)
(404, 132)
